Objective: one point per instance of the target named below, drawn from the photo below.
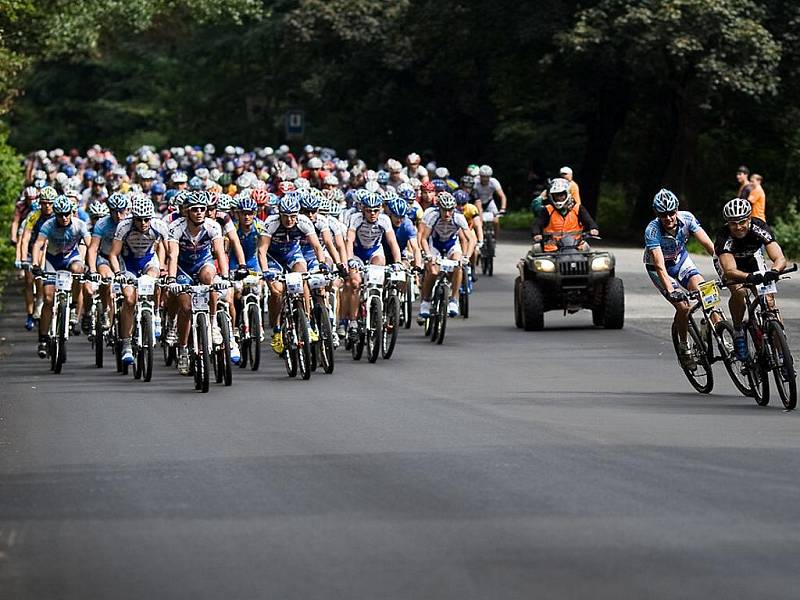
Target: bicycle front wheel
(782, 366)
(701, 376)
(254, 320)
(146, 351)
(390, 326)
(303, 344)
(374, 331)
(736, 368)
(61, 338)
(204, 348)
(756, 374)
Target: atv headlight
(601, 263)
(544, 265)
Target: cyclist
(366, 233)
(21, 211)
(139, 240)
(473, 217)
(194, 243)
(668, 263)
(310, 201)
(100, 248)
(404, 231)
(562, 217)
(249, 231)
(444, 232)
(60, 235)
(279, 248)
(739, 245)
(485, 188)
(30, 232)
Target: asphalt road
(575, 462)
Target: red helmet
(261, 196)
(285, 186)
(428, 187)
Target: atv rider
(562, 217)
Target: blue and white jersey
(63, 240)
(369, 235)
(249, 239)
(672, 246)
(443, 230)
(283, 239)
(141, 243)
(194, 249)
(105, 229)
(403, 233)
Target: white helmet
(737, 209)
(485, 171)
(142, 207)
(559, 186)
(314, 163)
(442, 172)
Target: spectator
(757, 197)
(566, 173)
(744, 186)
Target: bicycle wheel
(289, 351)
(62, 324)
(203, 345)
(146, 350)
(357, 345)
(254, 319)
(52, 351)
(391, 324)
(408, 309)
(303, 344)
(97, 339)
(736, 369)
(756, 374)
(701, 377)
(782, 365)
(224, 322)
(442, 317)
(374, 333)
(325, 343)
(463, 297)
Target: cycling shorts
(446, 249)
(366, 254)
(285, 260)
(61, 262)
(680, 273)
(136, 266)
(251, 263)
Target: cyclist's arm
(477, 223)
(161, 252)
(351, 238)
(113, 255)
(341, 247)
(412, 242)
(704, 240)
(657, 258)
(236, 246)
(330, 244)
(218, 249)
(38, 249)
(313, 240)
(24, 242)
(15, 227)
(467, 239)
(502, 195)
(391, 239)
(423, 233)
(263, 247)
(775, 253)
(174, 249)
(91, 254)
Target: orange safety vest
(560, 224)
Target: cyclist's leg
(681, 318)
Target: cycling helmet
(35, 206)
(372, 187)
(284, 187)
(335, 209)
(383, 177)
(118, 201)
(169, 197)
(225, 202)
(195, 183)
(225, 180)
(336, 195)
(408, 194)
(259, 196)
(62, 205)
(70, 171)
(737, 209)
(98, 209)
(372, 200)
(441, 172)
(31, 192)
(324, 206)
(301, 183)
(309, 201)
(664, 201)
(397, 207)
(485, 171)
(158, 188)
(89, 175)
(315, 163)
(247, 204)
(446, 201)
(290, 204)
(461, 197)
(197, 198)
(439, 185)
(142, 207)
(468, 181)
(212, 198)
(39, 184)
(273, 200)
(179, 177)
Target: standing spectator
(742, 174)
(757, 197)
(574, 190)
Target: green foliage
(11, 180)
(612, 216)
(517, 220)
(787, 231)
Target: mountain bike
(59, 322)
(392, 310)
(321, 319)
(767, 346)
(294, 324)
(465, 290)
(143, 339)
(250, 323)
(436, 323)
(489, 244)
(200, 347)
(222, 362)
(714, 331)
(370, 313)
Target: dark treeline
(633, 94)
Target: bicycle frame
(372, 282)
(62, 296)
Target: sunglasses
(740, 222)
(197, 209)
(664, 215)
(142, 219)
(373, 211)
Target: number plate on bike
(397, 276)
(294, 283)
(375, 275)
(63, 281)
(487, 217)
(448, 266)
(317, 281)
(769, 288)
(146, 285)
(709, 293)
(200, 301)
